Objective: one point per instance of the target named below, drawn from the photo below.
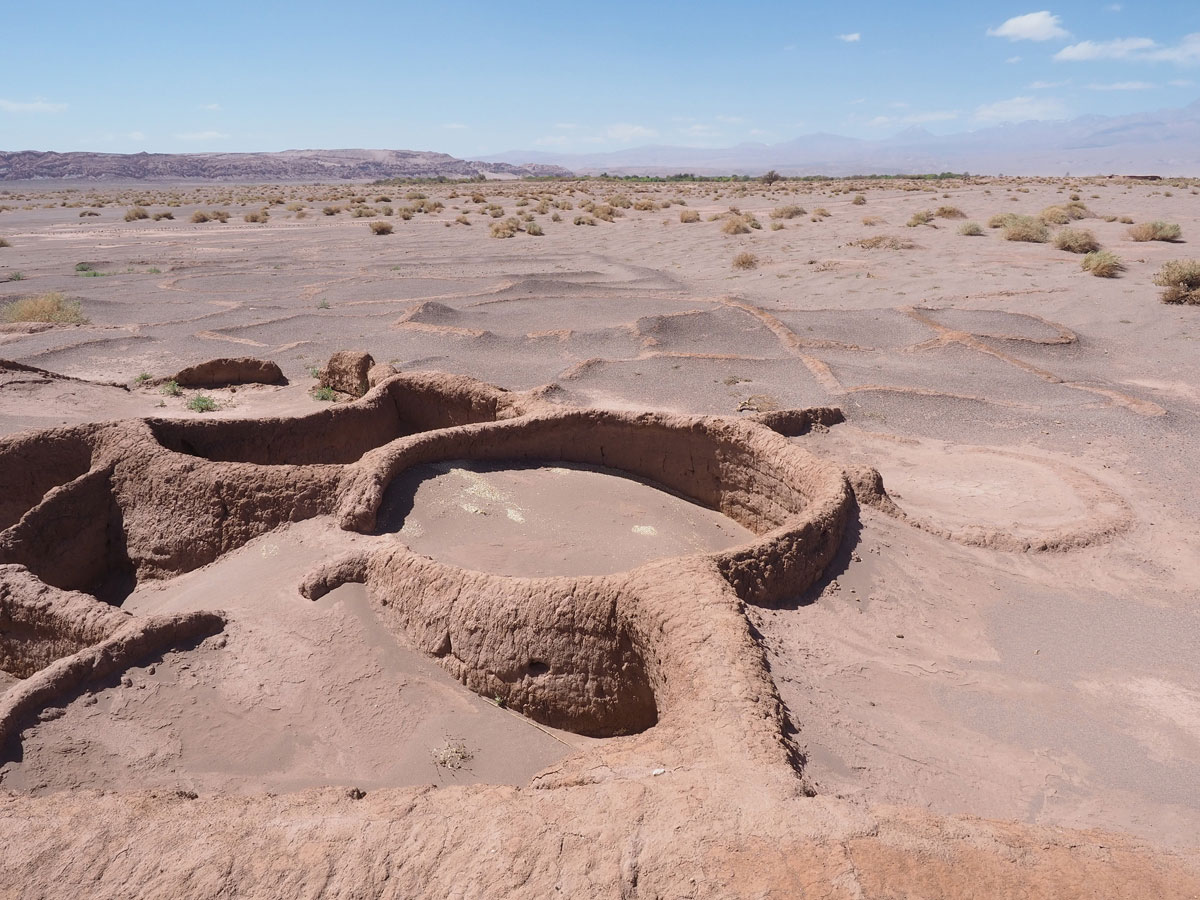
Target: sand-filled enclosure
(863, 573)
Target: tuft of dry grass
(859, 200)
(740, 224)
(970, 229)
(745, 261)
(949, 212)
(454, 754)
(380, 227)
(52, 307)
(533, 229)
(1026, 229)
(135, 214)
(1076, 240)
(4, 243)
(506, 229)
(688, 215)
(1180, 281)
(872, 220)
(920, 217)
(788, 212)
(1155, 231)
(1102, 264)
(884, 242)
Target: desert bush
(220, 215)
(859, 200)
(1125, 220)
(404, 212)
(163, 215)
(4, 243)
(1002, 220)
(821, 213)
(1027, 229)
(1155, 231)
(870, 221)
(645, 205)
(620, 201)
(201, 403)
(884, 242)
(415, 195)
(380, 227)
(384, 210)
(88, 212)
(735, 225)
(555, 217)
(920, 217)
(745, 261)
(584, 220)
(136, 213)
(534, 229)
(463, 220)
(689, 215)
(331, 210)
(361, 212)
(1180, 281)
(1102, 264)
(256, 218)
(970, 229)
(949, 212)
(172, 389)
(52, 307)
(788, 212)
(505, 229)
(1076, 240)
(1054, 215)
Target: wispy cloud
(701, 130)
(1136, 49)
(201, 136)
(211, 107)
(1034, 26)
(624, 131)
(1046, 85)
(1021, 109)
(1013, 59)
(852, 38)
(31, 106)
(1123, 86)
(914, 118)
(1121, 48)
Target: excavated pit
(542, 519)
(569, 613)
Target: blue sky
(472, 78)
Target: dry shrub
(463, 220)
(1027, 229)
(199, 217)
(745, 261)
(1054, 215)
(821, 213)
(53, 307)
(788, 212)
(920, 217)
(970, 229)
(331, 210)
(136, 213)
(4, 243)
(1155, 231)
(380, 227)
(1076, 240)
(505, 229)
(859, 200)
(533, 229)
(645, 205)
(742, 223)
(584, 220)
(620, 201)
(1180, 280)
(1102, 264)
(872, 220)
(1002, 220)
(949, 212)
(256, 218)
(884, 242)
(688, 215)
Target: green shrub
(172, 389)
(201, 403)
(328, 394)
(1180, 280)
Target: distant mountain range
(288, 165)
(1164, 142)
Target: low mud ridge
(696, 789)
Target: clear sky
(472, 78)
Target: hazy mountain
(288, 165)
(1163, 142)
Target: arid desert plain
(814, 547)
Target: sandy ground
(1000, 390)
